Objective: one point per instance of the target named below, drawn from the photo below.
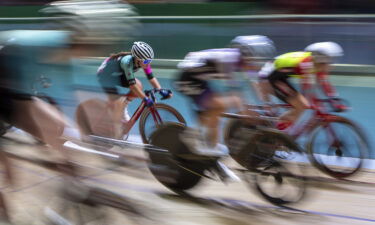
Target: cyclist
(312, 66)
(202, 69)
(118, 70)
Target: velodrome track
(328, 201)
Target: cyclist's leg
(41, 120)
(214, 106)
(299, 104)
(287, 93)
(118, 105)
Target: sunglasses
(147, 61)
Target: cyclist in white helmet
(312, 66)
(118, 70)
(202, 69)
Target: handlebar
(151, 93)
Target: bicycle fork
(156, 116)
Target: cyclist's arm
(137, 90)
(306, 69)
(127, 67)
(325, 85)
(153, 81)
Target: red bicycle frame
(306, 127)
(155, 114)
(128, 125)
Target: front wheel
(147, 123)
(279, 184)
(338, 147)
(269, 155)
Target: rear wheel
(279, 185)
(278, 180)
(93, 118)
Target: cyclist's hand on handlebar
(165, 93)
(338, 105)
(148, 101)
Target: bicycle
(150, 117)
(177, 168)
(322, 122)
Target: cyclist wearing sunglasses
(118, 70)
(312, 66)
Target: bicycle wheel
(233, 126)
(338, 147)
(278, 180)
(147, 123)
(278, 185)
(166, 167)
(93, 118)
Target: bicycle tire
(230, 129)
(81, 120)
(262, 160)
(281, 174)
(363, 151)
(165, 165)
(146, 113)
(93, 118)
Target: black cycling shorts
(7, 107)
(108, 83)
(192, 85)
(281, 85)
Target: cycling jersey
(224, 60)
(298, 65)
(199, 69)
(23, 56)
(119, 72)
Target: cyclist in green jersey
(118, 70)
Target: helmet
(254, 46)
(93, 21)
(142, 50)
(325, 51)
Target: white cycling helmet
(142, 50)
(254, 46)
(94, 21)
(325, 51)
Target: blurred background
(352, 27)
